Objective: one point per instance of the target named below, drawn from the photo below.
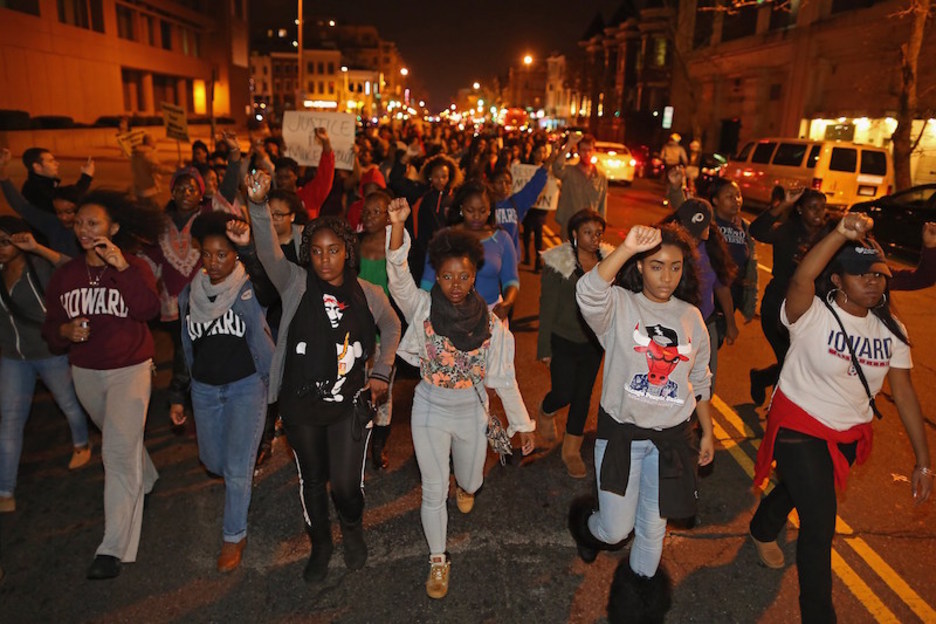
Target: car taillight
(633, 162)
(817, 184)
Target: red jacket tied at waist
(787, 414)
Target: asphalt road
(513, 560)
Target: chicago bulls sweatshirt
(656, 354)
(117, 309)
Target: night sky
(448, 45)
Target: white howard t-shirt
(817, 374)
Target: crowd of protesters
(291, 295)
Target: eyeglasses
(279, 216)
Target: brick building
(90, 58)
(822, 69)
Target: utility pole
(300, 92)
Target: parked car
(615, 160)
(846, 172)
(899, 219)
(711, 166)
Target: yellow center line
(854, 583)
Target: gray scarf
(208, 301)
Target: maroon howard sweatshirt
(117, 308)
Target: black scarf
(311, 372)
(467, 325)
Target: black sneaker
(104, 567)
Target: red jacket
(313, 193)
(787, 414)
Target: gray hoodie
(19, 338)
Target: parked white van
(846, 172)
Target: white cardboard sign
(521, 174)
(299, 136)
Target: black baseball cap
(695, 215)
(858, 259)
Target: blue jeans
(637, 510)
(229, 420)
(17, 383)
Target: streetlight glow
(528, 60)
(404, 71)
(476, 86)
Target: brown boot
(572, 456)
(230, 557)
(546, 425)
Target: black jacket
(679, 456)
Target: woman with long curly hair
(655, 376)
(327, 333)
(98, 306)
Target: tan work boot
(769, 553)
(572, 456)
(437, 583)
(546, 425)
(230, 557)
(464, 500)
(80, 456)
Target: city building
(346, 67)
(818, 69)
(622, 84)
(86, 59)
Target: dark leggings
(806, 483)
(573, 370)
(774, 331)
(533, 224)
(328, 454)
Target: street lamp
(528, 60)
(404, 71)
(476, 86)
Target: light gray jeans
(116, 400)
(447, 422)
(638, 510)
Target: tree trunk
(907, 99)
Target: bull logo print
(663, 351)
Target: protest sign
(301, 145)
(521, 174)
(175, 121)
(128, 140)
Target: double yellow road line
(734, 436)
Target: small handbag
(364, 411)
(495, 432)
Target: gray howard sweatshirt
(656, 354)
